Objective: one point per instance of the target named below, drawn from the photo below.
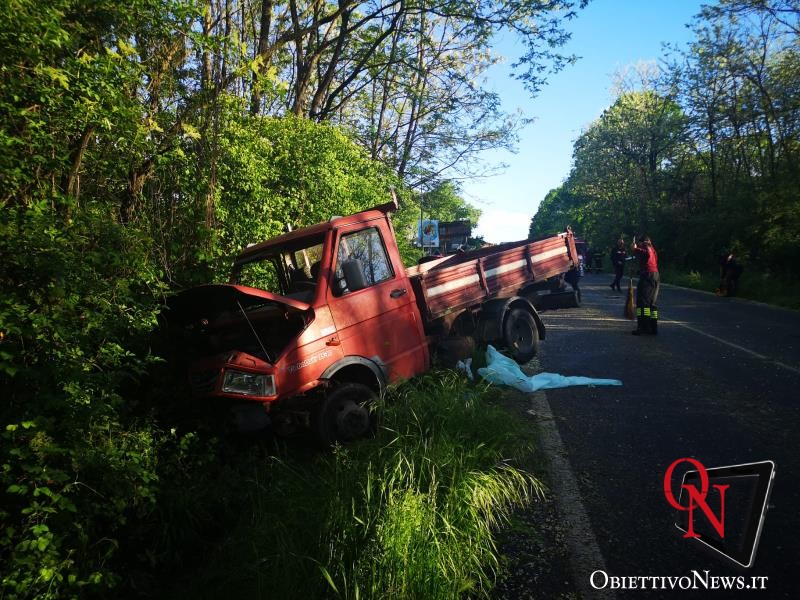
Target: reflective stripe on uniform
(646, 311)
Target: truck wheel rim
(350, 420)
(522, 335)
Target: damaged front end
(229, 338)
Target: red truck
(315, 322)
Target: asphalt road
(720, 384)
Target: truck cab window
(366, 256)
(262, 275)
(286, 271)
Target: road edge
(581, 540)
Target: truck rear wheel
(346, 413)
(520, 335)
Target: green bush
(78, 291)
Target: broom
(630, 304)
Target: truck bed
(463, 280)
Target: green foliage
(68, 94)
(78, 287)
(66, 498)
(411, 513)
(276, 172)
(557, 211)
(444, 202)
(78, 291)
(703, 155)
(774, 288)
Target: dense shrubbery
(275, 172)
(77, 295)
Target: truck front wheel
(520, 335)
(344, 414)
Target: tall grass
(772, 288)
(411, 513)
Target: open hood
(211, 320)
(209, 301)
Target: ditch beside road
(719, 383)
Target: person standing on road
(618, 255)
(572, 277)
(730, 271)
(647, 288)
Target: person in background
(572, 277)
(730, 271)
(647, 288)
(618, 255)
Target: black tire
(520, 335)
(346, 413)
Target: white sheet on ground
(500, 369)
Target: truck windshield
(290, 271)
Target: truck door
(377, 319)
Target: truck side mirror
(354, 274)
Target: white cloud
(500, 225)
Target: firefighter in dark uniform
(730, 271)
(647, 288)
(618, 256)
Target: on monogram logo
(697, 498)
(739, 493)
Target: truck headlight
(249, 384)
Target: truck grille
(204, 382)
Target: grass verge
(411, 513)
(763, 287)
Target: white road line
(737, 347)
(585, 555)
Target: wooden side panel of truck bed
(459, 281)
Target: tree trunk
(71, 185)
(263, 45)
(327, 78)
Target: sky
(608, 36)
